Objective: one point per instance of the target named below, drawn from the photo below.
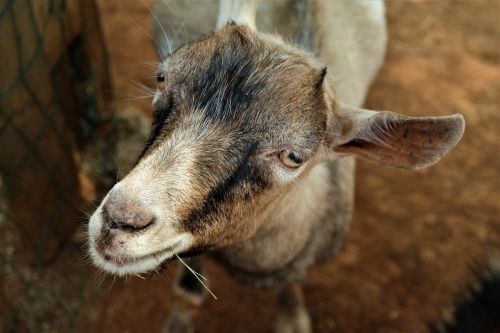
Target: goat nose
(120, 212)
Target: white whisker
(161, 27)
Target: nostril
(134, 226)
(108, 221)
(141, 225)
(126, 213)
(119, 217)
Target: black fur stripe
(227, 190)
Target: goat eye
(160, 80)
(290, 159)
(160, 77)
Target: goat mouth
(122, 261)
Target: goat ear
(395, 140)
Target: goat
(251, 151)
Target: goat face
(236, 118)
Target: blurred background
(423, 253)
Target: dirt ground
(419, 239)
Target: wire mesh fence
(53, 88)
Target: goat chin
(138, 266)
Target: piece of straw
(197, 275)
